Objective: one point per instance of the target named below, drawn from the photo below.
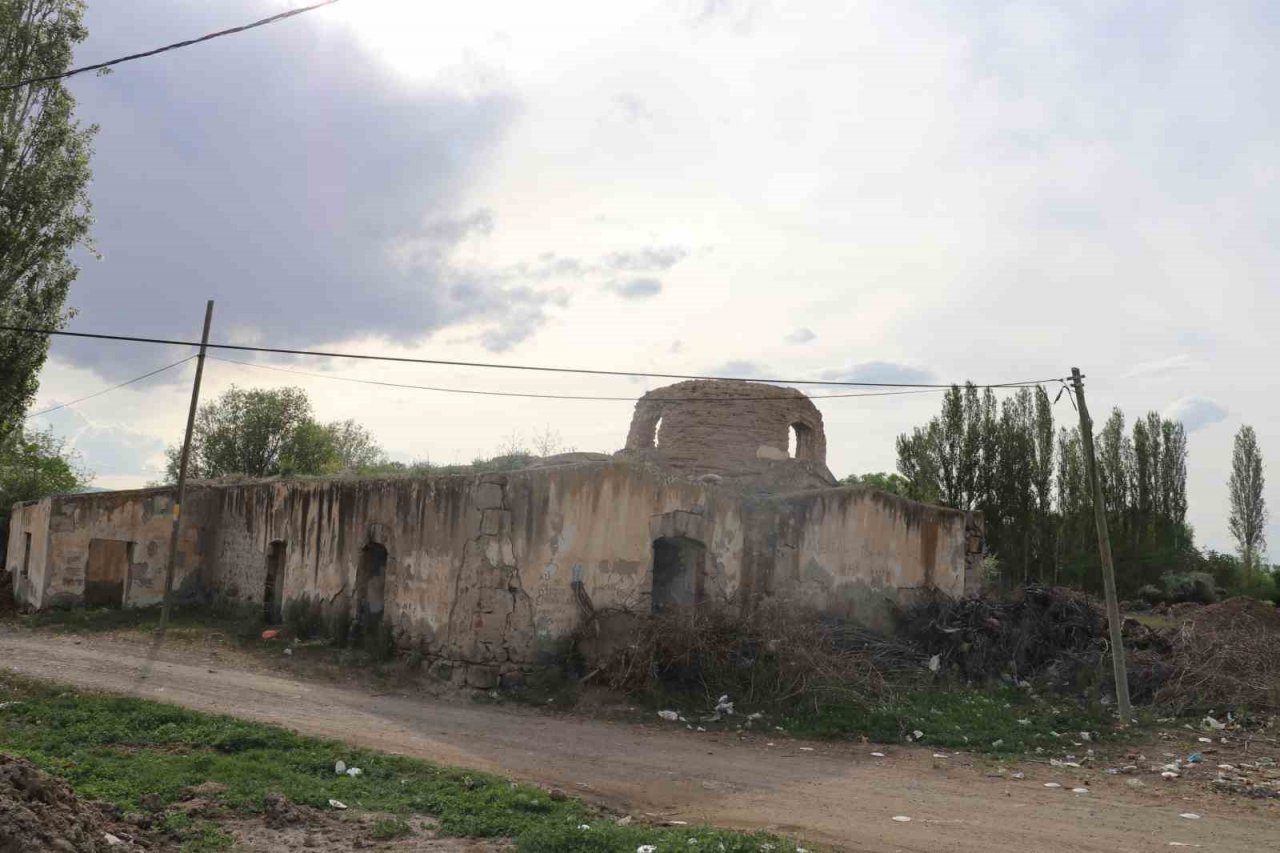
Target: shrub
(1151, 594)
(1195, 587)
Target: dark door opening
(273, 586)
(677, 572)
(371, 583)
(801, 442)
(105, 573)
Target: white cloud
(801, 336)
(1195, 412)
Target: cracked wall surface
(488, 575)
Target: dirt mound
(39, 812)
(1236, 613)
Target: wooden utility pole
(182, 472)
(1104, 550)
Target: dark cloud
(801, 336)
(314, 196)
(649, 259)
(880, 371)
(636, 288)
(1195, 412)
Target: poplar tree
(1248, 519)
(44, 175)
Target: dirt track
(836, 794)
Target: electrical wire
(99, 65)
(552, 396)
(529, 367)
(109, 390)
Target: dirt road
(835, 794)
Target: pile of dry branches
(1224, 655)
(773, 657)
(1040, 632)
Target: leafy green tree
(885, 482)
(35, 464)
(44, 175)
(1248, 518)
(272, 432)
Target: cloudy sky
(865, 190)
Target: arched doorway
(678, 563)
(273, 584)
(371, 579)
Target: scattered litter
(877, 755)
(1024, 722)
(113, 840)
(1168, 775)
(7, 704)
(1085, 736)
(1079, 790)
(940, 755)
(996, 744)
(724, 706)
(270, 634)
(625, 820)
(1205, 739)
(806, 749)
(339, 768)
(1017, 775)
(1052, 785)
(1113, 771)
(669, 716)
(353, 772)
(1211, 723)
(1190, 815)
(1135, 783)
(584, 826)
(646, 848)
(768, 744)
(1226, 767)
(935, 663)
(901, 818)
(675, 823)
(335, 804)
(288, 650)
(918, 734)
(1195, 758)
(751, 718)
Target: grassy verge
(1001, 720)
(143, 756)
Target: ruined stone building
(721, 494)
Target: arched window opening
(801, 442)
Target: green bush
(1152, 594)
(1197, 587)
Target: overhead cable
(109, 390)
(529, 367)
(551, 396)
(100, 65)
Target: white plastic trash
(669, 716)
(354, 772)
(339, 768)
(335, 804)
(902, 818)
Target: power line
(112, 388)
(262, 23)
(529, 367)
(552, 396)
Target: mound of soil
(39, 812)
(1236, 614)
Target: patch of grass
(133, 751)
(388, 828)
(236, 619)
(193, 836)
(998, 719)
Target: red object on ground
(270, 634)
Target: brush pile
(1224, 655)
(1040, 632)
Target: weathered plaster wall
(488, 574)
(29, 518)
(853, 551)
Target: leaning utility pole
(182, 472)
(1104, 549)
